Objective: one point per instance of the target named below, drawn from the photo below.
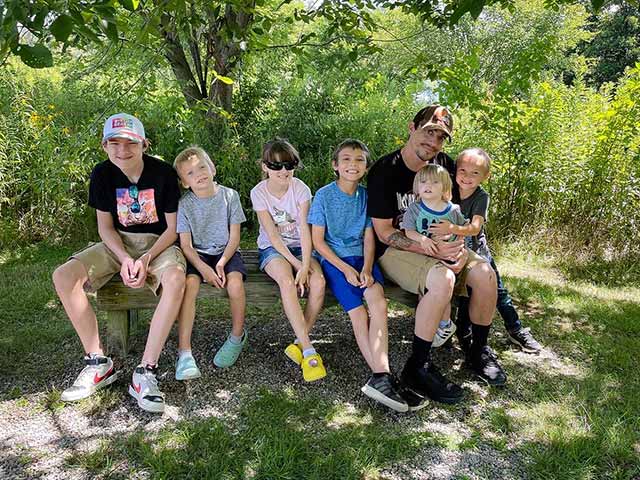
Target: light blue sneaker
(229, 352)
(186, 368)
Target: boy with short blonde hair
(473, 167)
(209, 218)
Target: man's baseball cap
(123, 125)
(436, 117)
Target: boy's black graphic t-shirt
(390, 188)
(477, 204)
(136, 207)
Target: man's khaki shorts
(102, 264)
(409, 270)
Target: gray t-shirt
(208, 219)
(477, 204)
(419, 217)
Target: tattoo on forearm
(399, 240)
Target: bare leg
(282, 272)
(173, 285)
(237, 302)
(440, 281)
(68, 280)
(316, 295)
(446, 315)
(378, 335)
(187, 313)
(360, 323)
(482, 304)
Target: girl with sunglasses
(281, 203)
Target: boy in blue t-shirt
(343, 234)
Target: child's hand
(127, 271)
(442, 228)
(211, 277)
(220, 272)
(140, 267)
(352, 276)
(429, 246)
(366, 279)
(457, 265)
(302, 276)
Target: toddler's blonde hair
(434, 172)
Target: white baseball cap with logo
(123, 125)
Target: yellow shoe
(312, 368)
(294, 352)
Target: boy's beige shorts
(102, 264)
(409, 270)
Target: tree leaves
(62, 27)
(37, 56)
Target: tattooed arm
(393, 237)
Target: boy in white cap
(136, 201)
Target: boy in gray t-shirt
(209, 218)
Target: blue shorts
(348, 296)
(265, 255)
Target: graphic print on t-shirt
(285, 223)
(136, 211)
(403, 202)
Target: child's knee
(192, 286)
(317, 281)
(235, 286)
(173, 280)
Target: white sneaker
(97, 373)
(444, 334)
(144, 388)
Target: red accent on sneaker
(137, 388)
(97, 378)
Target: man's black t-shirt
(390, 188)
(139, 207)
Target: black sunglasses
(133, 193)
(279, 165)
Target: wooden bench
(122, 304)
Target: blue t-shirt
(344, 218)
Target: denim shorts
(265, 255)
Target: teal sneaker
(186, 368)
(229, 352)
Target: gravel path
(36, 440)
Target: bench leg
(118, 325)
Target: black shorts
(235, 264)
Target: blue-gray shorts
(265, 255)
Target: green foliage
(616, 44)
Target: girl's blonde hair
(192, 151)
(434, 172)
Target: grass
(571, 413)
(278, 435)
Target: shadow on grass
(278, 435)
(576, 418)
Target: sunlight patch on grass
(517, 268)
(347, 414)
(546, 422)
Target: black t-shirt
(390, 188)
(477, 204)
(140, 207)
